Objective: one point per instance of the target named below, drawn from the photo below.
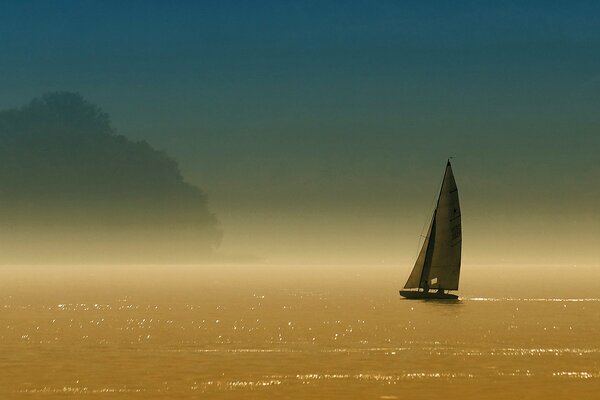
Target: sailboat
(437, 268)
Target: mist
(313, 135)
(75, 191)
(299, 199)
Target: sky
(320, 130)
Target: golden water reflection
(183, 332)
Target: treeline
(65, 169)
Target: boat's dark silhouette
(437, 268)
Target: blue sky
(327, 106)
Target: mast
(444, 269)
(438, 263)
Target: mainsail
(438, 263)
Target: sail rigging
(438, 263)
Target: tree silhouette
(63, 165)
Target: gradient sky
(320, 129)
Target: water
(292, 332)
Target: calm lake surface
(272, 331)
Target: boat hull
(414, 295)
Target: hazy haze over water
(304, 120)
(318, 132)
